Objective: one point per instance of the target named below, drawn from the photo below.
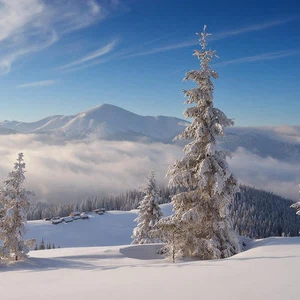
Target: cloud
(37, 84)
(214, 37)
(90, 57)
(252, 28)
(283, 133)
(164, 48)
(7, 59)
(260, 57)
(28, 26)
(69, 171)
(266, 173)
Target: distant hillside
(260, 143)
(255, 213)
(259, 214)
(109, 122)
(105, 122)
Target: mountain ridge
(110, 122)
(102, 121)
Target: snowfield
(110, 229)
(269, 270)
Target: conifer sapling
(15, 201)
(149, 213)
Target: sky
(65, 57)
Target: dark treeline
(125, 201)
(255, 213)
(259, 214)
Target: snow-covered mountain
(263, 142)
(104, 121)
(109, 122)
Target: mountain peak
(106, 121)
(102, 107)
(106, 111)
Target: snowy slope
(269, 270)
(104, 121)
(28, 127)
(109, 122)
(262, 142)
(110, 229)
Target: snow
(267, 271)
(103, 121)
(110, 229)
(68, 219)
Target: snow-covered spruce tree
(207, 185)
(15, 201)
(149, 213)
(169, 230)
(297, 205)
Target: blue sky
(63, 57)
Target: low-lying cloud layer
(267, 173)
(72, 171)
(283, 133)
(77, 170)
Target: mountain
(6, 131)
(109, 122)
(105, 122)
(263, 142)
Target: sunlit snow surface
(269, 270)
(110, 229)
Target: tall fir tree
(15, 201)
(201, 222)
(149, 213)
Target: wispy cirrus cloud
(86, 65)
(259, 57)
(252, 28)
(118, 55)
(37, 84)
(7, 60)
(217, 36)
(33, 25)
(163, 49)
(85, 60)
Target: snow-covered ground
(110, 229)
(269, 270)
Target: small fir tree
(206, 185)
(42, 245)
(15, 201)
(149, 213)
(169, 230)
